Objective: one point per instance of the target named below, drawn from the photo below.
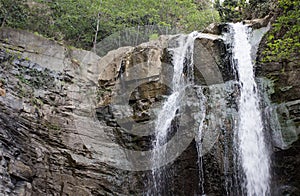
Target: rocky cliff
(60, 134)
(52, 96)
(41, 149)
(280, 80)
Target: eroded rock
(213, 28)
(2, 90)
(20, 170)
(60, 135)
(284, 93)
(259, 22)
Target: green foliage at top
(82, 23)
(229, 10)
(238, 10)
(283, 42)
(13, 14)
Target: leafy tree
(13, 14)
(283, 43)
(83, 23)
(238, 10)
(229, 10)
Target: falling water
(251, 145)
(252, 155)
(171, 106)
(199, 139)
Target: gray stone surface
(52, 97)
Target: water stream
(252, 149)
(245, 156)
(182, 56)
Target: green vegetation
(230, 10)
(13, 14)
(83, 23)
(22, 79)
(283, 42)
(52, 125)
(238, 10)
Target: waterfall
(252, 150)
(199, 140)
(182, 56)
(217, 114)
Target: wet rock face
(284, 93)
(212, 64)
(287, 170)
(37, 148)
(2, 91)
(47, 93)
(285, 79)
(47, 149)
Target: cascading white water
(199, 139)
(252, 152)
(252, 149)
(171, 106)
